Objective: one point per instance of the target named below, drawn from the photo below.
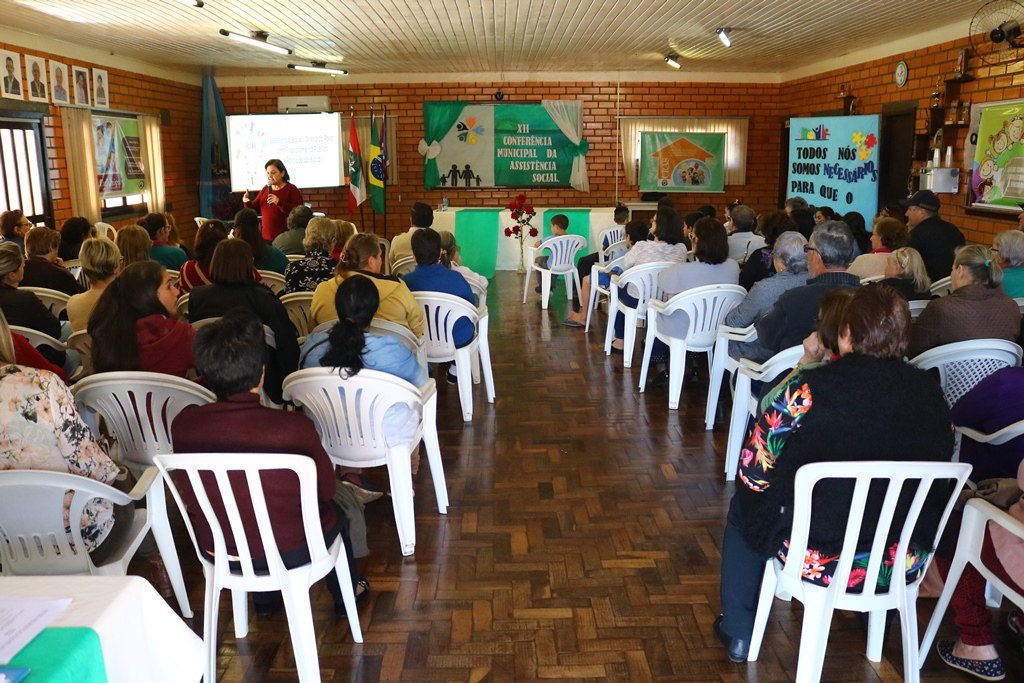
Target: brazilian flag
(378, 166)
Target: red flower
(529, 210)
(508, 232)
(521, 198)
(533, 231)
(511, 206)
(515, 230)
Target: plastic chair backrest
(961, 365)
(274, 280)
(34, 539)
(1020, 303)
(385, 249)
(37, 338)
(917, 306)
(563, 249)
(441, 312)
(348, 412)
(199, 221)
(403, 266)
(997, 438)
(615, 238)
(615, 250)
(871, 278)
(298, 304)
(705, 307)
(292, 258)
(139, 408)
(174, 275)
(645, 279)
(381, 326)
(81, 341)
(106, 230)
(942, 287)
(56, 302)
(182, 306)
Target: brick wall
(141, 94)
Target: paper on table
(22, 619)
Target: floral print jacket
(40, 429)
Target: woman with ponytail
(135, 325)
(976, 308)
(362, 256)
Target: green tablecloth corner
(63, 655)
(477, 233)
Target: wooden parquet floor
(582, 542)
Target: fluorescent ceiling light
(320, 68)
(723, 35)
(258, 39)
(192, 3)
(673, 60)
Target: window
(735, 130)
(23, 173)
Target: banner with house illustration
(833, 161)
(487, 145)
(119, 170)
(997, 176)
(682, 162)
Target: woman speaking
(275, 200)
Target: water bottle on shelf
(444, 203)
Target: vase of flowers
(522, 213)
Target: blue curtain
(215, 199)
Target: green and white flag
(356, 182)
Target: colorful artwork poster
(119, 169)
(503, 145)
(682, 162)
(997, 178)
(833, 161)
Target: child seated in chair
(559, 225)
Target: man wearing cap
(934, 238)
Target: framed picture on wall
(81, 85)
(59, 82)
(100, 82)
(12, 75)
(38, 87)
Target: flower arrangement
(522, 213)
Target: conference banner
(682, 162)
(997, 177)
(495, 145)
(833, 162)
(119, 170)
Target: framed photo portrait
(60, 83)
(81, 85)
(38, 87)
(11, 70)
(100, 83)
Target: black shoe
(267, 604)
(736, 650)
(537, 289)
(659, 380)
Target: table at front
(142, 638)
(480, 233)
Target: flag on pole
(356, 181)
(378, 168)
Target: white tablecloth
(144, 640)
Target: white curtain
(152, 162)
(568, 116)
(81, 162)
(735, 130)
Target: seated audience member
(101, 262)
(234, 287)
(135, 325)
(430, 276)
(317, 266)
(265, 256)
(760, 262)
(935, 239)
(172, 234)
(420, 216)
(24, 309)
(743, 240)
(450, 258)
(559, 225)
(790, 268)
(823, 214)
(728, 213)
(636, 231)
(1009, 250)
(993, 403)
(708, 209)
(229, 356)
(793, 203)
(888, 235)
(134, 244)
(14, 225)
(40, 429)
(196, 271)
(345, 231)
(73, 234)
(362, 256)
(667, 245)
(42, 267)
(804, 219)
(905, 272)
(858, 228)
(791, 319)
(162, 251)
(619, 216)
(861, 404)
(290, 241)
(976, 308)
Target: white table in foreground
(143, 640)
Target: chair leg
(211, 603)
(545, 288)
(764, 607)
(737, 426)
(813, 636)
(613, 310)
(433, 446)
(160, 525)
(240, 612)
(676, 372)
(295, 592)
(591, 302)
(908, 617)
(348, 596)
(718, 358)
(956, 570)
(876, 634)
(630, 339)
(526, 281)
(400, 476)
(645, 362)
(463, 366)
(484, 351)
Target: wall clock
(901, 74)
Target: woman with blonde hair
(905, 272)
(362, 256)
(101, 262)
(134, 243)
(976, 307)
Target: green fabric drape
(438, 118)
(476, 232)
(64, 655)
(579, 224)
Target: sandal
(362, 590)
(985, 669)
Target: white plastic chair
(139, 407)
(403, 266)
(1020, 303)
(348, 413)
(34, 540)
(942, 287)
(182, 306)
(199, 221)
(917, 306)
(786, 581)
(441, 312)
(385, 249)
(961, 365)
(595, 287)
(998, 438)
(871, 278)
(745, 403)
(37, 339)
(174, 275)
(615, 237)
(645, 279)
(106, 230)
(977, 515)
(705, 307)
(81, 341)
(561, 261)
(274, 280)
(225, 472)
(292, 258)
(56, 302)
(415, 344)
(297, 304)
(722, 363)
